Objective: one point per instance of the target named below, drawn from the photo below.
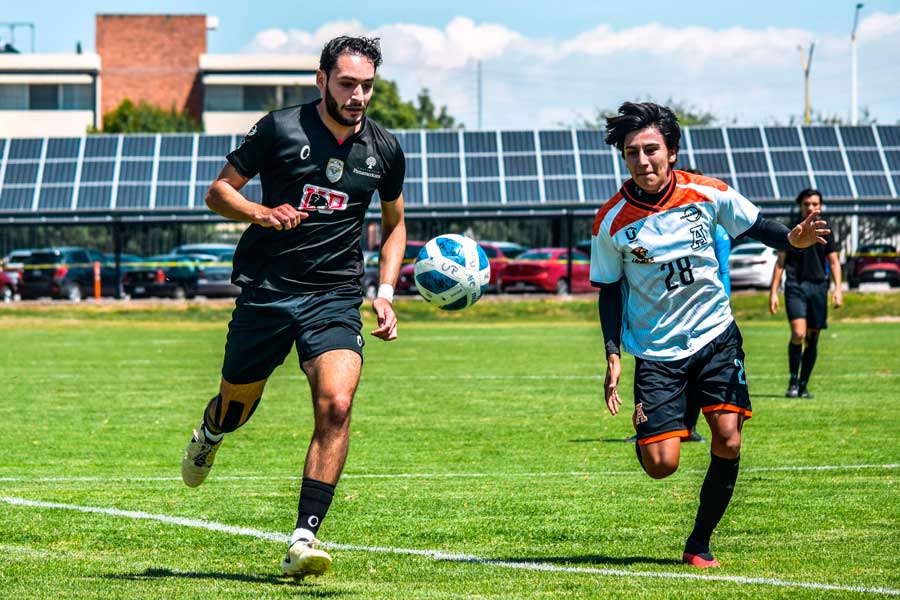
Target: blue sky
(544, 66)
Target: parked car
(209, 249)
(499, 255)
(164, 275)
(371, 276)
(873, 263)
(66, 272)
(214, 275)
(406, 281)
(546, 270)
(14, 262)
(7, 287)
(751, 265)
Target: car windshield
(37, 258)
(877, 249)
(753, 249)
(535, 255)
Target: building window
(260, 97)
(53, 96)
(256, 98)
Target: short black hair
(804, 194)
(634, 116)
(345, 44)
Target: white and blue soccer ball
(452, 272)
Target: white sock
(302, 534)
(215, 438)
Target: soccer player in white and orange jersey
(653, 258)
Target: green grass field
(483, 464)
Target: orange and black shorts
(711, 379)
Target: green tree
(144, 117)
(393, 112)
(425, 113)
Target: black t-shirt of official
(300, 162)
(808, 264)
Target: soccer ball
(452, 272)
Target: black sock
(795, 352)
(714, 498)
(315, 498)
(809, 359)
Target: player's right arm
(777, 272)
(224, 197)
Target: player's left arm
(393, 246)
(837, 278)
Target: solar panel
(744, 137)
(484, 192)
(143, 173)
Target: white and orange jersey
(674, 302)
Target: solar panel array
(170, 172)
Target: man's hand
(773, 302)
(387, 320)
(611, 385)
(808, 232)
(838, 297)
(282, 217)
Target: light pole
(806, 62)
(854, 92)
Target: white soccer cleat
(303, 559)
(198, 459)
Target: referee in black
(299, 264)
(806, 296)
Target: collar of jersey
(635, 195)
(356, 137)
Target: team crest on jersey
(691, 213)
(640, 255)
(334, 170)
(322, 200)
(631, 234)
(699, 238)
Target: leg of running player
(718, 486)
(795, 355)
(660, 459)
(810, 353)
(226, 411)
(333, 377)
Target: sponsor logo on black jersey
(334, 170)
(322, 200)
(640, 255)
(369, 172)
(304, 152)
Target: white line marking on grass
(507, 475)
(443, 556)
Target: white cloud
(748, 75)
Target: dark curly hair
(363, 46)
(634, 116)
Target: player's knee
(225, 416)
(333, 410)
(659, 470)
(812, 338)
(728, 445)
(797, 338)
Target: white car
(751, 265)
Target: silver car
(751, 265)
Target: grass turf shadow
(308, 588)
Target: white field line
(507, 475)
(443, 556)
(556, 377)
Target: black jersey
(300, 162)
(808, 264)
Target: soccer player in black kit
(806, 297)
(299, 264)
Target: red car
(546, 270)
(499, 254)
(406, 283)
(7, 287)
(878, 263)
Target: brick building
(160, 59)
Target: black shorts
(710, 379)
(265, 325)
(807, 300)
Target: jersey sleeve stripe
(604, 210)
